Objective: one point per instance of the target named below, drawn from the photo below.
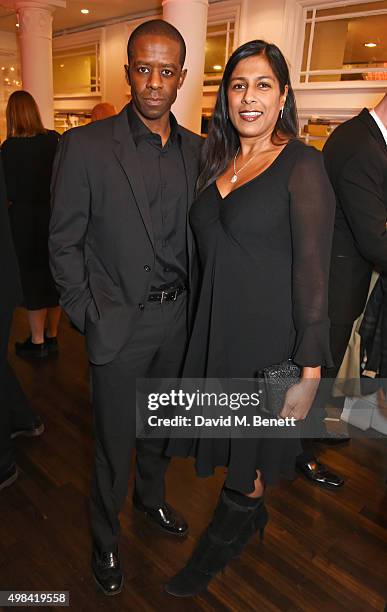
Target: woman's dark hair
(222, 142)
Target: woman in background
(27, 155)
(263, 223)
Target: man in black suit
(122, 257)
(356, 161)
(16, 416)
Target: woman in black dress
(28, 155)
(263, 222)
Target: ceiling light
(85, 11)
(12, 69)
(18, 25)
(370, 44)
(3, 67)
(217, 67)
(61, 66)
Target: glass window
(76, 70)
(347, 48)
(215, 54)
(219, 46)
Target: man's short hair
(162, 28)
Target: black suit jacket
(101, 240)
(11, 293)
(356, 161)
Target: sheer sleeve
(312, 210)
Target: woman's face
(254, 98)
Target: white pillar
(35, 36)
(190, 18)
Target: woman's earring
(282, 112)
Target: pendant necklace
(234, 177)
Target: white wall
(262, 19)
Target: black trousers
(15, 411)
(314, 423)
(155, 350)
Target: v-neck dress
(264, 251)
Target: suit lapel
(126, 154)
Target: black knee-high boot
(258, 523)
(231, 528)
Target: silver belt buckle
(163, 296)
(175, 296)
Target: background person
(355, 157)
(16, 416)
(28, 154)
(103, 110)
(263, 223)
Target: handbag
(273, 383)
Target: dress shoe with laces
(35, 428)
(319, 474)
(107, 571)
(164, 516)
(8, 477)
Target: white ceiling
(71, 17)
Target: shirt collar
(380, 124)
(141, 132)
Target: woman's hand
(299, 398)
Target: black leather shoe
(8, 477)
(35, 428)
(333, 438)
(107, 571)
(165, 517)
(29, 349)
(319, 474)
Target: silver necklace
(234, 177)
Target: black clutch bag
(273, 383)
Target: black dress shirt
(166, 186)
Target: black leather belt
(168, 295)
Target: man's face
(154, 74)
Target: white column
(190, 18)
(35, 36)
